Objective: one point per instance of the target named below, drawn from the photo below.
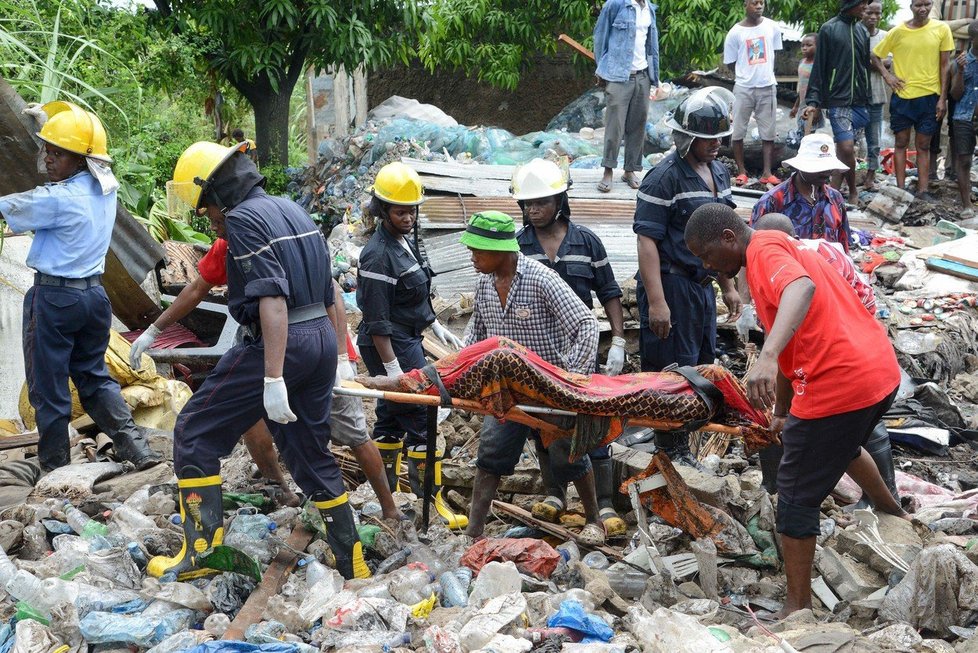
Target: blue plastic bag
(236, 646)
(572, 615)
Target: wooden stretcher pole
(356, 390)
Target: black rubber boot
(112, 415)
(417, 457)
(879, 449)
(202, 515)
(484, 487)
(605, 486)
(390, 453)
(342, 536)
(675, 444)
(770, 458)
(551, 508)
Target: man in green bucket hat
(520, 299)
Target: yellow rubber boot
(202, 515)
(390, 453)
(341, 535)
(416, 467)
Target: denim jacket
(965, 107)
(614, 42)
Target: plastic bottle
(217, 624)
(596, 560)
(252, 547)
(394, 561)
(427, 557)
(569, 551)
(7, 568)
(127, 517)
(402, 639)
(254, 526)
(538, 635)
(26, 587)
(454, 594)
(410, 585)
(82, 524)
(464, 575)
(137, 555)
(315, 572)
(627, 583)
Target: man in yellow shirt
(921, 50)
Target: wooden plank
(969, 262)
(551, 529)
(577, 47)
(16, 441)
(253, 610)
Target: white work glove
(747, 321)
(142, 343)
(447, 338)
(276, 401)
(393, 369)
(344, 368)
(616, 356)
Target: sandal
(770, 180)
(741, 180)
(604, 187)
(632, 182)
(591, 535)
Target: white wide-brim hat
(816, 154)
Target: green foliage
(276, 179)
(162, 226)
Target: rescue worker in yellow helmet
(67, 314)
(280, 291)
(394, 293)
(579, 257)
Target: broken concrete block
(899, 535)
(851, 580)
(717, 491)
(897, 636)
(890, 204)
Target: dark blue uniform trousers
(230, 401)
(66, 332)
(693, 338)
(398, 422)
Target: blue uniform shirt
(274, 250)
(72, 223)
(669, 194)
(582, 262)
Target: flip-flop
(741, 180)
(604, 187)
(632, 182)
(770, 180)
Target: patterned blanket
(500, 374)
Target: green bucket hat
(491, 230)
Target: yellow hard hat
(194, 169)
(397, 183)
(72, 128)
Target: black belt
(683, 272)
(41, 279)
(306, 313)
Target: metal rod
(429, 465)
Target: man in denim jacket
(626, 50)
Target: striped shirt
(669, 194)
(582, 262)
(542, 313)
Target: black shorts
(963, 133)
(817, 453)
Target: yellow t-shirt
(916, 58)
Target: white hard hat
(539, 178)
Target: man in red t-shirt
(827, 370)
(349, 426)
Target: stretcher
(501, 378)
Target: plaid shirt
(826, 218)
(542, 313)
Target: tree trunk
(272, 125)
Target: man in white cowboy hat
(816, 209)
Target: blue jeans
(501, 445)
(874, 131)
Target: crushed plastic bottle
(423, 554)
(315, 571)
(410, 585)
(254, 548)
(570, 551)
(596, 560)
(393, 562)
(27, 588)
(255, 526)
(128, 519)
(82, 524)
(7, 568)
(454, 593)
(627, 583)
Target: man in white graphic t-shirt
(749, 49)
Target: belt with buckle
(683, 272)
(41, 279)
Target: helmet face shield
(180, 199)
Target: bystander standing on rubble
(394, 293)
(964, 90)
(816, 209)
(676, 301)
(519, 298)
(67, 314)
(749, 50)
(626, 51)
(579, 257)
(878, 95)
(348, 423)
(825, 400)
(921, 50)
(279, 287)
(840, 84)
(809, 44)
